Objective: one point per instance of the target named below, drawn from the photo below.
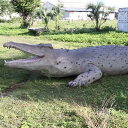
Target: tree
(56, 14)
(97, 14)
(45, 15)
(25, 8)
(110, 8)
(5, 7)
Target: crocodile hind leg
(91, 74)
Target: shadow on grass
(9, 76)
(80, 31)
(74, 31)
(103, 93)
(107, 91)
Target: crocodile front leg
(91, 74)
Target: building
(47, 5)
(74, 10)
(75, 14)
(112, 16)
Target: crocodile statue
(88, 64)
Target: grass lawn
(42, 102)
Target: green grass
(14, 28)
(43, 102)
(11, 29)
(91, 39)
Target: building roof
(72, 3)
(47, 2)
(75, 9)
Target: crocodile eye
(45, 46)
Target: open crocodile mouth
(34, 58)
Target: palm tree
(97, 14)
(45, 15)
(56, 14)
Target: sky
(113, 3)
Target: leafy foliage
(56, 15)
(45, 15)
(97, 14)
(5, 7)
(25, 8)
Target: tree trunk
(25, 23)
(97, 25)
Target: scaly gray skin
(88, 64)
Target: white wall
(76, 15)
(82, 16)
(8, 17)
(111, 16)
